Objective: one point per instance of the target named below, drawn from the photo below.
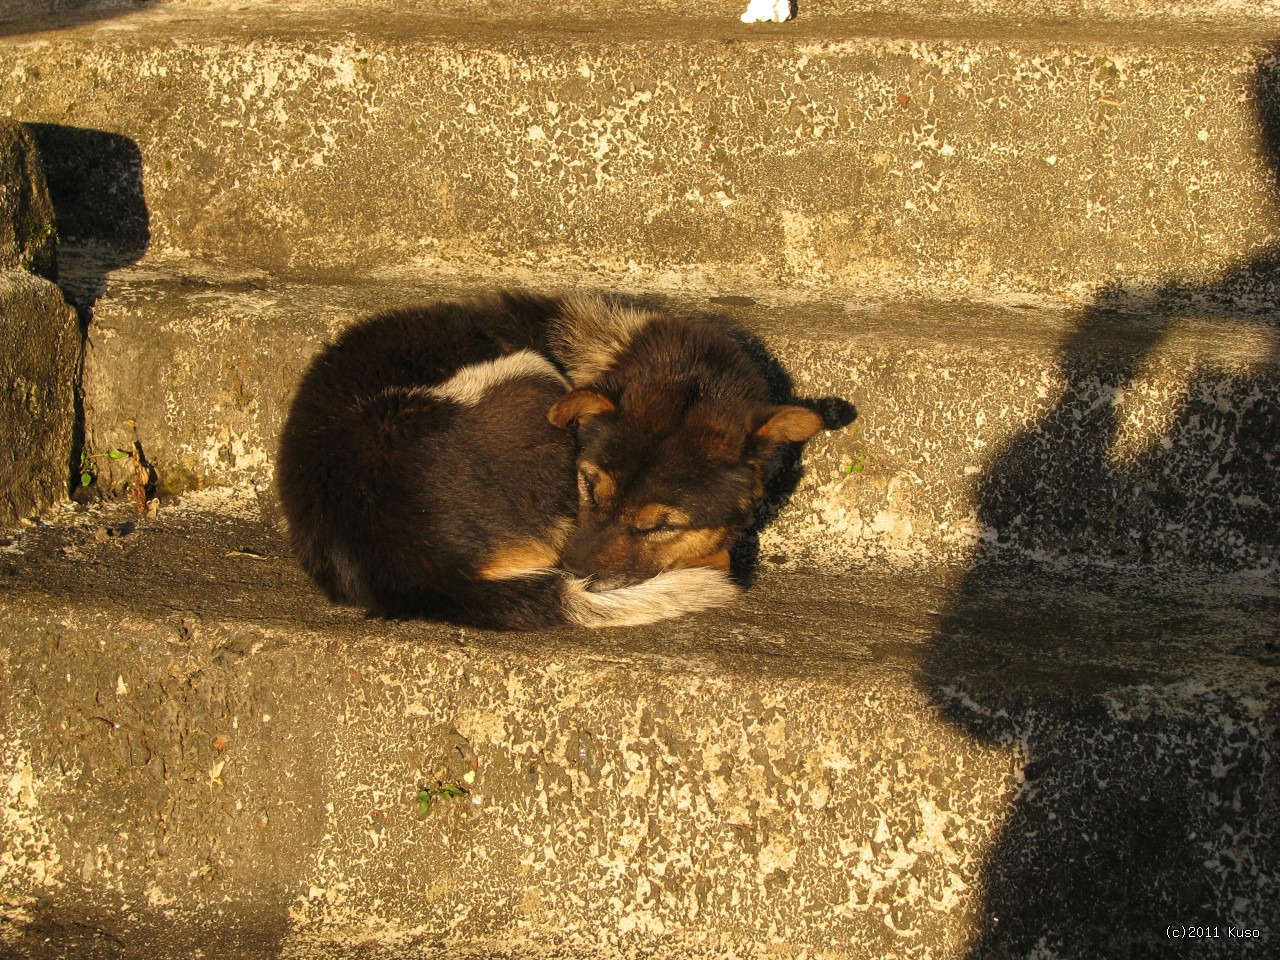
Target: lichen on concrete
(28, 227)
(39, 366)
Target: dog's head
(668, 478)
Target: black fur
(394, 496)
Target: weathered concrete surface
(196, 752)
(1153, 437)
(935, 757)
(39, 364)
(28, 229)
(937, 157)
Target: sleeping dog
(519, 462)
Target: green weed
(429, 795)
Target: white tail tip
(670, 594)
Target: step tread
(212, 555)
(962, 406)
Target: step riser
(39, 363)
(574, 810)
(932, 166)
(1142, 447)
(176, 777)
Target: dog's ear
(789, 424)
(578, 405)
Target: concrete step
(1005, 684)
(930, 156)
(1095, 434)
(201, 759)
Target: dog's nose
(600, 582)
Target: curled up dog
(519, 462)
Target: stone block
(28, 229)
(39, 365)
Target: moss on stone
(28, 226)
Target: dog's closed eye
(658, 520)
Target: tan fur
(691, 548)
(654, 514)
(791, 424)
(578, 405)
(592, 333)
(718, 561)
(603, 484)
(523, 557)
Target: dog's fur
(426, 470)
(675, 431)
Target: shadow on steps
(1146, 806)
(95, 182)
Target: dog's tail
(547, 597)
(669, 594)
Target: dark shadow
(32, 16)
(95, 182)
(1135, 815)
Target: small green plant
(38, 235)
(849, 466)
(45, 232)
(87, 472)
(429, 795)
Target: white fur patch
(667, 595)
(470, 385)
(767, 11)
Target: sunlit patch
(1146, 414)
